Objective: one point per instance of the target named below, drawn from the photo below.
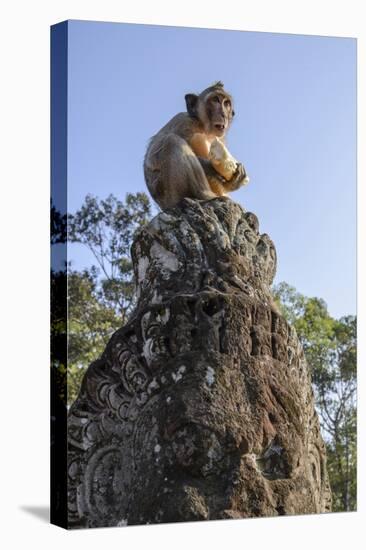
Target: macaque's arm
(200, 145)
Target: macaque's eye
(216, 99)
(227, 104)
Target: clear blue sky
(295, 132)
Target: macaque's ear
(191, 102)
(233, 113)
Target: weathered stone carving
(201, 407)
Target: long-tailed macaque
(178, 163)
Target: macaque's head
(213, 108)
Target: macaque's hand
(240, 176)
(211, 171)
(218, 177)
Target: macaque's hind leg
(181, 174)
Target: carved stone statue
(201, 407)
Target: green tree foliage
(101, 298)
(90, 325)
(58, 226)
(58, 335)
(331, 352)
(106, 228)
